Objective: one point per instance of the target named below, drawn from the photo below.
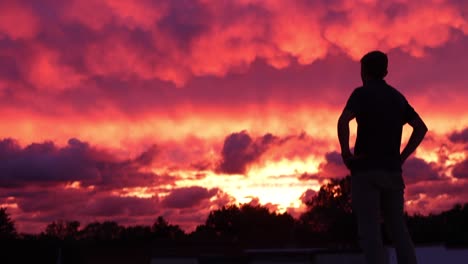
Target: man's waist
(364, 163)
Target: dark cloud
(188, 197)
(240, 150)
(460, 136)
(146, 158)
(416, 170)
(57, 202)
(434, 189)
(332, 167)
(48, 200)
(185, 21)
(54, 203)
(117, 206)
(460, 170)
(201, 165)
(434, 196)
(38, 206)
(45, 164)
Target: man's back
(377, 186)
(381, 111)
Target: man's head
(374, 66)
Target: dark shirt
(381, 111)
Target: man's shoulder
(362, 92)
(396, 92)
(358, 90)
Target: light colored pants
(375, 194)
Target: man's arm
(419, 131)
(343, 135)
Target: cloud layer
(42, 182)
(174, 41)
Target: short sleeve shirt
(381, 111)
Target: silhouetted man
(376, 175)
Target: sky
(129, 110)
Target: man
(376, 175)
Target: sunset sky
(127, 110)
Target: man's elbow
(345, 118)
(425, 129)
(341, 121)
(342, 124)
(421, 128)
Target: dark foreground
(209, 253)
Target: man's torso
(381, 111)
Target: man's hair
(375, 64)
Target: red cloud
(17, 21)
(99, 14)
(390, 24)
(46, 70)
(173, 41)
(188, 197)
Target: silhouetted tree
(447, 227)
(137, 233)
(455, 225)
(329, 213)
(224, 223)
(7, 226)
(426, 229)
(63, 229)
(163, 230)
(247, 224)
(203, 234)
(107, 230)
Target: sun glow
(73, 185)
(10, 202)
(285, 167)
(427, 155)
(455, 157)
(140, 192)
(273, 183)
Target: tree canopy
(7, 226)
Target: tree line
(328, 222)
